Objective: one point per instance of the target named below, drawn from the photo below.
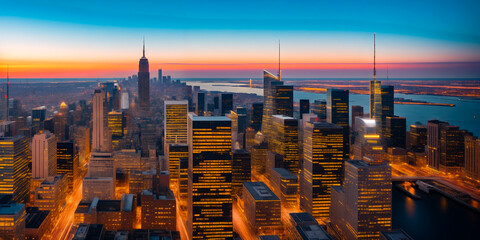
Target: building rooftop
(325, 125)
(313, 232)
(395, 234)
(303, 218)
(284, 117)
(284, 173)
(109, 206)
(362, 164)
(35, 219)
(269, 237)
(260, 191)
(88, 231)
(11, 208)
(127, 202)
(176, 102)
(368, 122)
(209, 118)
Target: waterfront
(465, 114)
(433, 217)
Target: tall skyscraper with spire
(277, 99)
(143, 81)
(381, 99)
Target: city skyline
(189, 42)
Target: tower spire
(374, 53)
(143, 46)
(279, 69)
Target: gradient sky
(240, 38)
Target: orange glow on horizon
(52, 69)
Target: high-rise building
(160, 76)
(259, 155)
(143, 81)
(445, 147)
(117, 127)
(67, 161)
(210, 178)
(472, 157)
(14, 156)
(38, 116)
(269, 81)
(367, 140)
(304, 107)
(173, 154)
(283, 100)
(262, 208)
(51, 194)
(44, 155)
(158, 210)
(357, 111)
(175, 126)
(285, 186)
(322, 167)
(241, 170)
(337, 113)
(417, 138)
(395, 131)
(284, 141)
(226, 103)
(320, 109)
(99, 121)
(256, 116)
(12, 221)
(362, 208)
(200, 108)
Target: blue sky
(205, 31)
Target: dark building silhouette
(256, 118)
(227, 103)
(200, 108)
(143, 81)
(337, 113)
(396, 132)
(304, 107)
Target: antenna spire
(143, 46)
(279, 69)
(374, 53)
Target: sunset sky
(53, 39)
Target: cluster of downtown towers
(212, 156)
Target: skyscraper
(143, 81)
(38, 116)
(322, 167)
(320, 109)
(396, 131)
(44, 155)
(256, 118)
(117, 127)
(67, 161)
(241, 170)
(283, 101)
(417, 138)
(226, 103)
(98, 121)
(472, 157)
(269, 81)
(210, 178)
(445, 147)
(363, 206)
(304, 107)
(200, 108)
(367, 140)
(337, 113)
(175, 123)
(357, 111)
(14, 179)
(381, 99)
(160, 75)
(285, 141)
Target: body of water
(465, 114)
(433, 217)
